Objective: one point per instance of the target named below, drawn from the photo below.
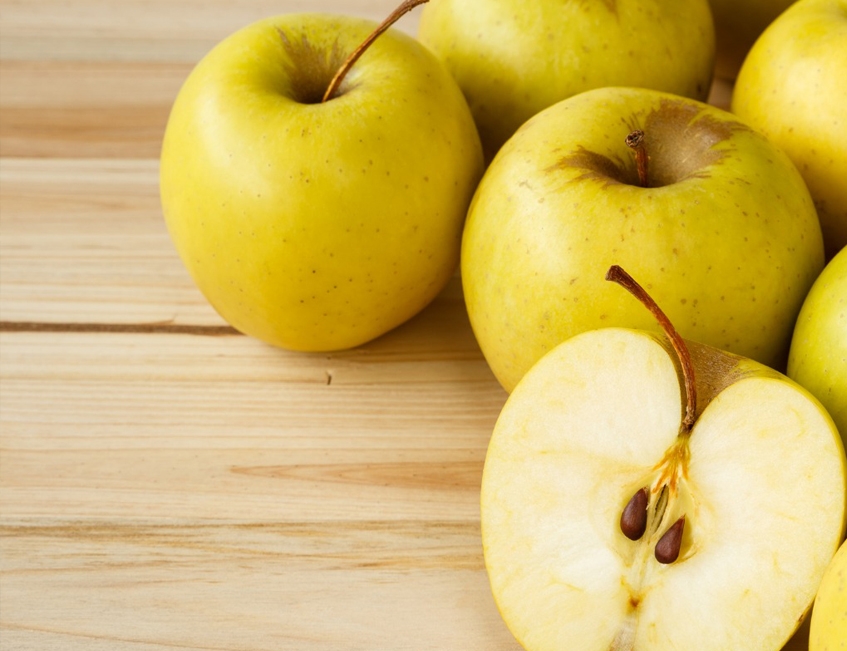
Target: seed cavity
(659, 509)
(668, 547)
(634, 516)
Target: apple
(647, 493)
(818, 355)
(829, 616)
(310, 224)
(792, 88)
(738, 23)
(725, 231)
(513, 58)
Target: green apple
(829, 617)
(818, 356)
(725, 232)
(650, 494)
(513, 58)
(738, 23)
(792, 88)
(318, 225)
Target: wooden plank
(84, 241)
(321, 586)
(150, 30)
(181, 491)
(85, 109)
(231, 428)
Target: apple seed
(634, 516)
(667, 549)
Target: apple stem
(622, 278)
(405, 7)
(635, 141)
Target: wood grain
(149, 30)
(83, 240)
(165, 482)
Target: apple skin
(818, 356)
(791, 88)
(738, 23)
(318, 226)
(730, 245)
(829, 616)
(514, 58)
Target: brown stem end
(635, 141)
(404, 8)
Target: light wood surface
(166, 483)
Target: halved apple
(647, 494)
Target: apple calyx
(635, 141)
(405, 7)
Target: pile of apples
(654, 480)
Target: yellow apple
(818, 356)
(725, 232)
(792, 88)
(829, 616)
(738, 23)
(318, 225)
(513, 58)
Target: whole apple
(829, 616)
(644, 493)
(513, 58)
(738, 23)
(725, 236)
(318, 225)
(818, 356)
(792, 88)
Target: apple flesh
(310, 225)
(513, 59)
(759, 480)
(726, 232)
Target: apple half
(618, 515)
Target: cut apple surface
(758, 484)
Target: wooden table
(166, 483)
